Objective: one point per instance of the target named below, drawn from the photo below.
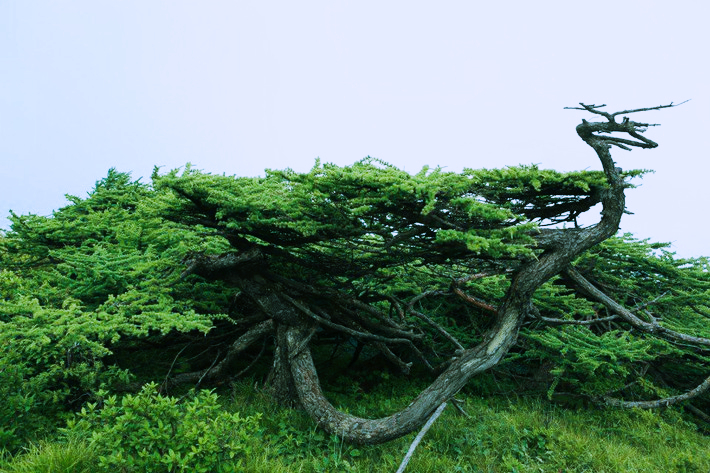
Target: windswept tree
(437, 272)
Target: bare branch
(659, 107)
(355, 333)
(199, 381)
(648, 303)
(420, 436)
(472, 277)
(472, 300)
(550, 320)
(610, 116)
(668, 401)
(263, 349)
(698, 412)
(385, 350)
(382, 328)
(423, 295)
(623, 312)
(457, 404)
(172, 365)
(218, 370)
(438, 327)
(592, 109)
(373, 311)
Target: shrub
(151, 432)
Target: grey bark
(665, 402)
(651, 327)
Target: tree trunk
(559, 254)
(280, 381)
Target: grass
(503, 435)
(54, 457)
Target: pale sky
(238, 86)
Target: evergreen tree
(436, 272)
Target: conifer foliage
(199, 278)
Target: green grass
(54, 457)
(503, 435)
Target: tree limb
(219, 370)
(420, 436)
(327, 323)
(623, 312)
(668, 401)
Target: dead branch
(623, 312)
(219, 370)
(550, 320)
(438, 327)
(665, 402)
(420, 436)
(389, 354)
(474, 301)
(327, 323)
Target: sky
(239, 86)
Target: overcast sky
(238, 86)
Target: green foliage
(151, 432)
(77, 286)
(603, 358)
(598, 364)
(384, 215)
(18, 421)
(96, 295)
(503, 434)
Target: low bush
(151, 432)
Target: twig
(167, 375)
(389, 354)
(237, 347)
(263, 349)
(698, 412)
(474, 301)
(420, 436)
(355, 333)
(207, 371)
(421, 356)
(457, 404)
(304, 343)
(438, 327)
(550, 320)
(646, 304)
(610, 116)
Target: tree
(437, 270)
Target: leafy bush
(16, 421)
(151, 432)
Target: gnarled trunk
(560, 252)
(294, 377)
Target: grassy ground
(513, 434)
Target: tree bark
(280, 382)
